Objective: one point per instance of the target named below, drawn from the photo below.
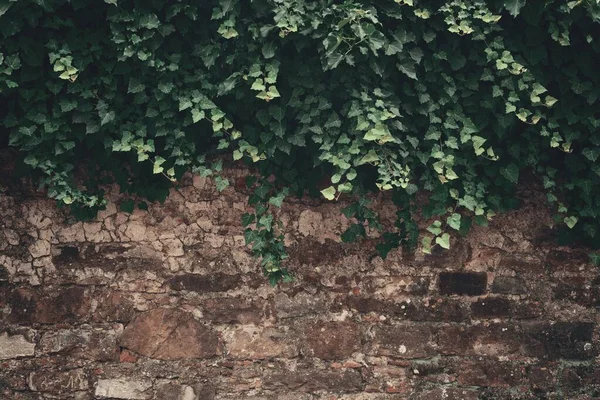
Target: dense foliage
(454, 98)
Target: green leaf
(353, 232)
(107, 117)
(443, 241)
(328, 193)
(511, 173)
(370, 157)
(127, 206)
(453, 221)
(221, 183)
(514, 6)
(591, 153)
(571, 221)
(435, 227)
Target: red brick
(403, 341)
(568, 340)
(205, 283)
(64, 305)
(331, 340)
(491, 307)
(489, 339)
(462, 283)
(489, 373)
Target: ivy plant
(456, 100)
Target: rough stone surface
(168, 304)
(123, 389)
(15, 346)
(169, 334)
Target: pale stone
(173, 247)
(40, 248)
(136, 231)
(15, 346)
(11, 236)
(110, 209)
(251, 342)
(199, 182)
(93, 232)
(123, 389)
(72, 233)
(310, 223)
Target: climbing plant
(452, 98)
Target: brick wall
(167, 304)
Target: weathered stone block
(66, 305)
(491, 307)
(252, 342)
(574, 261)
(205, 283)
(568, 340)
(462, 283)
(15, 346)
(169, 334)
(58, 382)
(405, 341)
(314, 380)
(331, 340)
(123, 389)
(522, 263)
(441, 309)
(232, 310)
(113, 307)
(489, 340)
(578, 290)
(509, 285)
(88, 344)
(489, 373)
(303, 303)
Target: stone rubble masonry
(168, 304)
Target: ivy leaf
(435, 228)
(591, 153)
(453, 221)
(221, 183)
(353, 232)
(514, 6)
(127, 206)
(105, 118)
(268, 50)
(277, 200)
(443, 241)
(571, 221)
(328, 193)
(511, 173)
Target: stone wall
(167, 304)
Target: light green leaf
(435, 227)
(443, 241)
(571, 221)
(328, 193)
(453, 221)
